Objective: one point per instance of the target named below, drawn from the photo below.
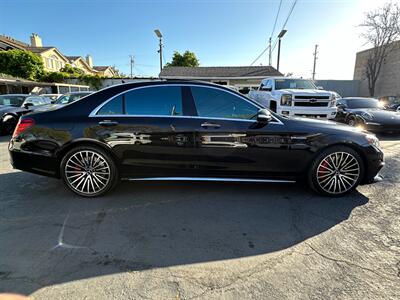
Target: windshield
(301, 84)
(69, 98)
(363, 103)
(12, 100)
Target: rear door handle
(213, 125)
(108, 123)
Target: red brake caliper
(323, 167)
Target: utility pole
(132, 62)
(315, 61)
(270, 52)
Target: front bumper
(309, 112)
(376, 127)
(374, 163)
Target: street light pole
(280, 36)
(159, 35)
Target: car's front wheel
(336, 171)
(89, 171)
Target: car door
(229, 142)
(147, 131)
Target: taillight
(23, 124)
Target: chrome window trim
(94, 111)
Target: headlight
(334, 98)
(286, 100)
(372, 140)
(367, 116)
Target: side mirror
(341, 107)
(27, 105)
(264, 116)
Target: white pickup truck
(295, 97)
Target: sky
(220, 32)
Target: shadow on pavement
(49, 236)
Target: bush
(72, 71)
(94, 81)
(19, 63)
(54, 77)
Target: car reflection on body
(367, 113)
(188, 130)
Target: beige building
(53, 59)
(388, 83)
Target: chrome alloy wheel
(338, 172)
(87, 172)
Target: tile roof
(38, 49)
(101, 68)
(218, 72)
(73, 57)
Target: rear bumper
(41, 164)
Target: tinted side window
(161, 101)
(220, 104)
(114, 107)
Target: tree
(19, 63)
(382, 28)
(188, 59)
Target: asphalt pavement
(205, 240)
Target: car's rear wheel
(89, 171)
(8, 124)
(336, 171)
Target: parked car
(368, 113)
(182, 130)
(391, 103)
(71, 97)
(12, 106)
(52, 97)
(295, 97)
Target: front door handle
(108, 123)
(213, 125)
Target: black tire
(8, 124)
(352, 121)
(345, 180)
(99, 169)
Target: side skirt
(207, 179)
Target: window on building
(216, 103)
(160, 101)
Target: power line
(259, 56)
(286, 21)
(276, 19)
(284, 24)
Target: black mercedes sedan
(184, 130)
(368, 114)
